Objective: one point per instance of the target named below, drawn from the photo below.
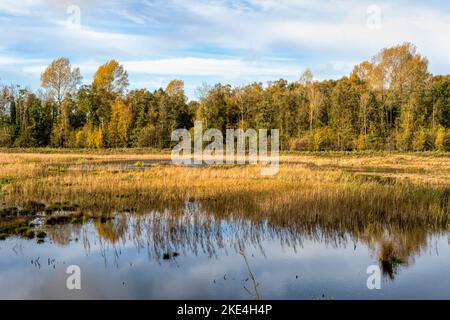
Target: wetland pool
(195, 255)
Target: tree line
(391, 102)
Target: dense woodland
(391, 102)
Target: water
(198, 256)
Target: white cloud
(286, 5)
(191, 66)
(336, 29)
(136, 18)
(211, 38)
(8, 60)
(22, 7)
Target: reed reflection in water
(193, 253)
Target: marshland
(363, 184)
(143, 227)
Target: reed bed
(392, 202)
(331, 189)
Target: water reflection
(196, 253)
(165, 235)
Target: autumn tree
(111, 78)
(119, 125)
(59, 79)
(110, 81)
(388, 102)
(178, 104)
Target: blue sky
(210, 41)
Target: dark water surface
(195, 255)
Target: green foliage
(389, 103)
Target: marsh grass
(19, 226)
(333, 190)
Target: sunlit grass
(391, 202)
(330, 188)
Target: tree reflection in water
(194, 230)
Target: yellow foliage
(80, 139)
(94, 138)
(317, 139)
(361, 142)
(419, 142)
(119, 124)
(440, 137)
(111, 77)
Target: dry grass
(398, 198)
(333, 188)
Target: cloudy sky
(210, 41)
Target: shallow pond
(194, 255)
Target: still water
(194, 255)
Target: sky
(211, 41)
